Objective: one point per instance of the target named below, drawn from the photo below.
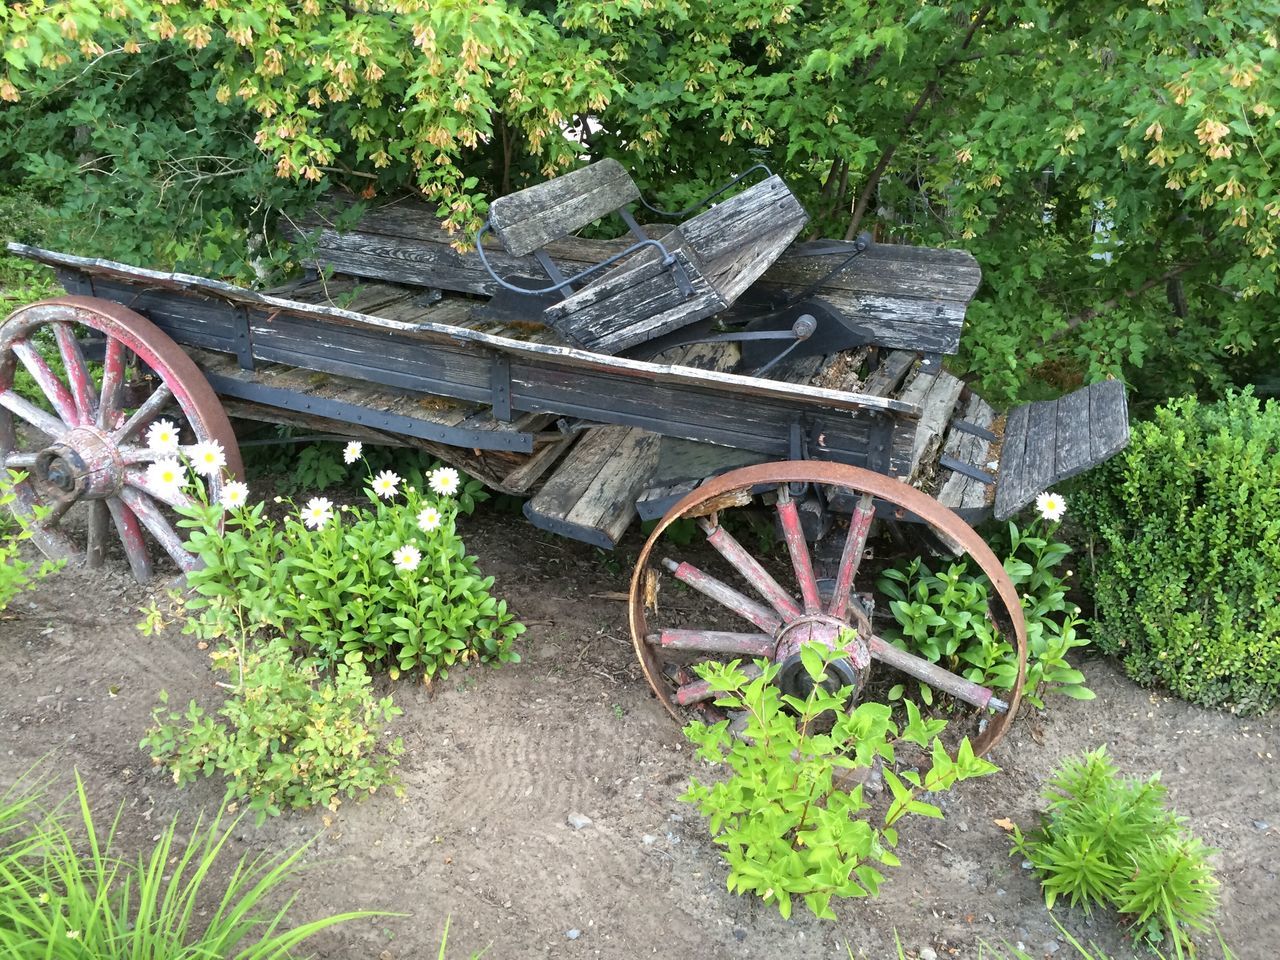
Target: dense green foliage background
(1110, 164)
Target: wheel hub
(83, 465)
(833, 633)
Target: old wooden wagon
(685, 371)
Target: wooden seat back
(530, 219)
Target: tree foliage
(1110, 164)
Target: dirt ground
(497, 762)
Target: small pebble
(1260, 825)
(962, 827)
(648, 839)
(1026, 864)
(999, 891)
(578, 821)
(573, 934)
(1049, 948)
(1020, 946)
(928, 953)
(739, 934)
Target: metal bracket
(964, 426)
(243, 340)
(500, 386)
(968, 469)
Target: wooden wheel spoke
(25, 410)
(715, 641)
(56, 511)
(77, 371)
(157, 525)
(747, 565)
(113, 362)
(130, 532)
(131, 453)
(96, 534)
(53, 388)
(20, 461)
(934, 675)
(854, 545)
(174, 498)
(144, 414)
(725, 595)
(793, 534)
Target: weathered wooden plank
(956, 490)
(1042, 441)
(1108, 420)
(884, 379)
(1011, 481)
(1072, 431)
(937, 396)
(529, 219)
(523, 478)
(908, 297)
(634, 304)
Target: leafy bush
(787, 816)
(943, 617)
(1185, 582)
(66, 892)
(390, 583)
(16, 574)
(1107, 840)
(291, 735)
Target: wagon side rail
(771, 417)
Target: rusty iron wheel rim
(735, 488)
(93, 455)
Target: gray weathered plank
(1108, 420)
(1011, 481)
(1073, 434)
(884, 379)
(910, 298)
(937, 397)
(956, 490)
(1040, 454)
(531, 218)
(634, 304)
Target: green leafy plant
(1111, 841)
(390, 583)
(1185, 528)
(291, 734)
(788, 815)
(67, 892)
(16, 574)
(943, 617)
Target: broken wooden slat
(530, 219)
(937, 396)
(885, 378)
(956, 490)
(1045, 442)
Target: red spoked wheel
(85, 444)
(775, 620)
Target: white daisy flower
(162, 438)
(166, 477)
(317, 512)
(235, 494)
(352, 451)
(444, 481)
(406, 558)
(428, 519)
(1051, 506)
(207, 459)
(385, 484)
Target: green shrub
(390, 582)
(1187, 559)
(66, 892)
(787, 816)
(290, 735)
(943, 617)
(1112, 841)
(16, 574)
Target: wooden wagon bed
(596, 440)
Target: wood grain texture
(530, 219)
(911, 298)
(937, 396)
(956, 490)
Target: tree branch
(869, 189)
(1086, 315)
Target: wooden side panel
(1050, 441)
(910, 298)
(530, 219)
(632, 305)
